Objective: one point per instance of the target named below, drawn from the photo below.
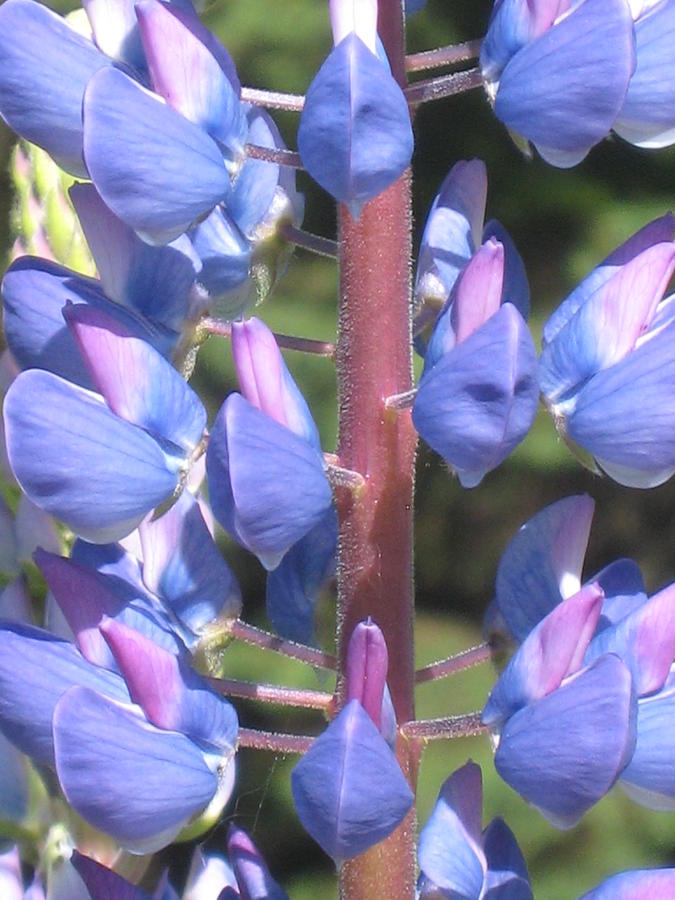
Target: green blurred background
(563, 222)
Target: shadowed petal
(649, 778)
(155, 281)
(104, 884)
(647, 117)
(477, 404)
(267, 486)
(253, 876)
(182, 564)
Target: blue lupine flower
(264, 465)
(565, 732)
(44, 68)
(348, 789)
(458, 858)
(135, 445)
(355, 136)
(477, 396)
(551, 690)
(557, 72)
(139, 772)
(453, 232)
(239, 245)
(607, 366)
(647, 117)
(638, 884)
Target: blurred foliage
(564, 222)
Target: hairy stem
(444, 729)
(443, 56)
(375, 567)
(282, 157)
(443, 86)
(275, 743)
(241, 631)
(312, 242)
(272, 693)
(272, 99)
(285, 341)
(444, 667)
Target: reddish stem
(272, 693)
(252, 635)
(275, 743)
(375, 568)
(445, 729)
(444, 667)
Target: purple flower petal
(253, 876)
(293, 587)
(649, 777)
(354, 136)
(138, 384)
(81, 463)
(34, 293)
(582, 66)
(44, 68)
(104, 884)
(563, 753)
(625, 415)
(542, 563)
(182, 564)
(124, 776)
(36, 669)
(478, 403)
(154, 281)
(172, 696)
(647, 117)
(348, 789)
(451, 847)
(265, 381)
(178, 177)
(644, 640)
(267, 486)
(553, 650)
(189, 77)
(658, 231)
(639, 884)
(606, 328)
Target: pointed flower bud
(265, 381)
(366, 672)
